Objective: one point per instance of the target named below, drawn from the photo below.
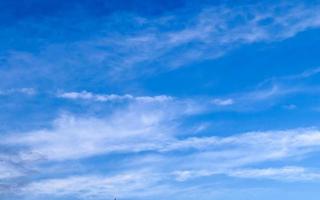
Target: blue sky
(159, 99)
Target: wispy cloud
(210, 30)
(270, 92)
(289, 173)
(138, 126)
(149, 123)
(163, 43)
(263, 95)
(230, 156)
(84, 95)
(285, 173)
(209, 35)
(152, 129)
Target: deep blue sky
(159, 99)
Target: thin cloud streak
(288, 173)
(84, 95)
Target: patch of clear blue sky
(61, 46)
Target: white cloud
(139, 126)
(73, 138)
(84, 95)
